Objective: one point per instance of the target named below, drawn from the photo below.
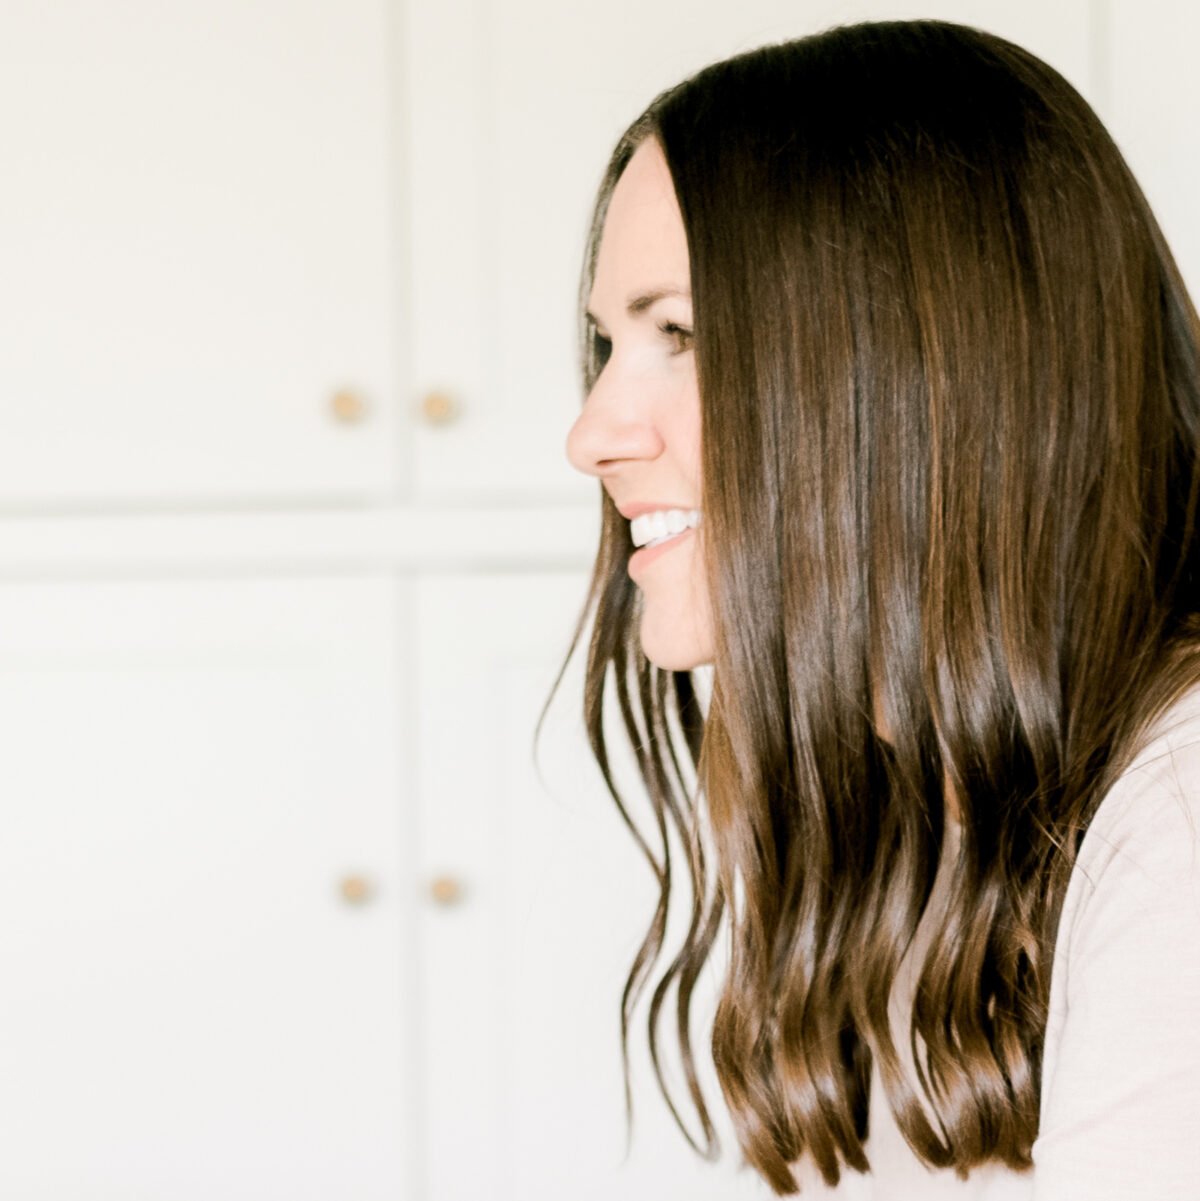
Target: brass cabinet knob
(439, 408)
(446, 890)
(348, 406)
(355, 889)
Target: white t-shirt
(1120, 1101)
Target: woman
(886, 306)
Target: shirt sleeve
(1121, 1112)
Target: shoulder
(1121, 1083)
(1135, 890)
(1144, 839)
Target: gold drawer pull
(356, 890)
(439, 408)
(348, 406)
(446, 890)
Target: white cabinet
(545, 900)
(329, 253)
(199, 293)
(203, 913)
(290, 910)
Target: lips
(644, 557)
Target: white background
(276, 623)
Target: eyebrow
(637, 305)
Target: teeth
(662, 524)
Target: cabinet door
(206, 983)
(515, 106)
(198, 245)
(536, 898)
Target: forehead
(643, 239)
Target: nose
(612, 427)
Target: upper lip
(635, 508)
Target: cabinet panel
(536, 899)
(1151, 52)
(202, 923)
(198, 235)
(514, 108)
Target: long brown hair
(949, 378)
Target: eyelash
(670, 329)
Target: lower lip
(641, 559)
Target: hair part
(950, 401)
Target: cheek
(685, 413)
(688, 436)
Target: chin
(674, 664)
(676, 653)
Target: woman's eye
(671, 330)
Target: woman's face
(639, 430)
